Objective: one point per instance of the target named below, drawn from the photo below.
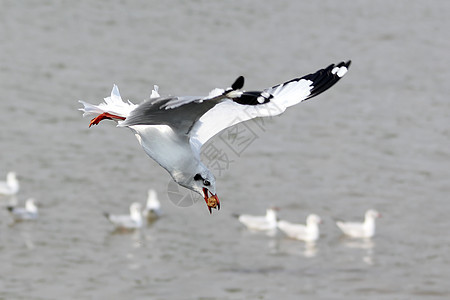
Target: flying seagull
(172, 130)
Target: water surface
(378, 139)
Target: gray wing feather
(182, 117)
(180, 113)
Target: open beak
(211, 201)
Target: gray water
(378, 139)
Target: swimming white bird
(308, 233)
(260, 223)
(361, 230)
(29, 212)
(10, 186)
(172, 130)
(131, 221)
(152, 208)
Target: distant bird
(172, 130)
(10, 186)
(131, 221)
(260, 223)
(29, 212)
(361, 230)
(308, 233)
(152, 209)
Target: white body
(172, 150)
(29, 212)
(308, 233)
(152, 208)
(261, 223)
(365, 229)
(131, 221)
(10, 186)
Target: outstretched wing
(270, 102)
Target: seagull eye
(206, 182)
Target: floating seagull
(10, 186)
(29, 212)
(131, 221)
(308, 233)
(260, 223)
(172, 130)
(152, 209)
(361, 230)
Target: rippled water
(379, 139)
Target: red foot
(103, 116)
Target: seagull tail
(113, 107)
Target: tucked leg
(103, 116)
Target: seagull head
(313, 219)
(372, 214)
(30, 205)
(200, 180)
(204, 183)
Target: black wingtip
(341, 64)
(106, 215)
(325, 78)
(10, 208)
(238, 83)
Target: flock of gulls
(309, 232)
(149, 213)
(268, 223)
